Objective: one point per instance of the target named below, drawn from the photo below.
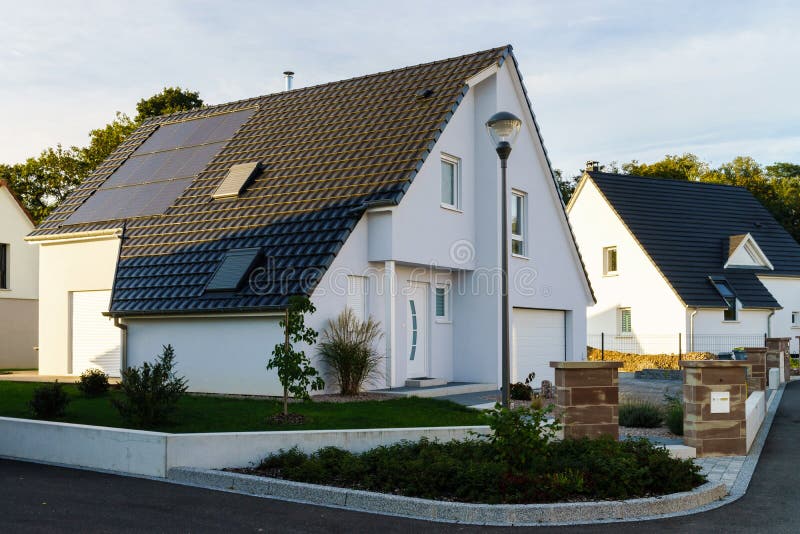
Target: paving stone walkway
(724, 469)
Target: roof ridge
(160, 118)
(665, 179)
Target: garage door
(537, 338)
(95, 339)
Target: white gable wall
(655, 308)
(787, 292)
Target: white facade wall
(787, 291)
(18, 307)
(67, 266)
(713, 334)
(657, 315)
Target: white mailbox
(720, 402)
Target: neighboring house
(380, 193)
(19, 280)
(667, 257)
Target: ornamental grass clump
(348, 351)
(640, 415)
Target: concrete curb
(468, 513)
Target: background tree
(42, 182)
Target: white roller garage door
(537, 338)
(95, 339)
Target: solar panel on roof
(158, 172)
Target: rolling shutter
(95, 339)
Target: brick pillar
(587, 398)
(714, 434)
(777, 350)
(757, 360)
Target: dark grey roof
(326, 153)
(687, 228)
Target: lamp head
(503, 128)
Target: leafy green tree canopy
(169, 100)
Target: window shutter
(357, 296)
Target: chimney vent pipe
(593, 166)
(288, 77)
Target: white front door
(417, 331)
(95, 340)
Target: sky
(609, 80)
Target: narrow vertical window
(625, 326)
(451, 182)
(4, 268)
(519, 223)
(413, 350)
(610, 261)
(442, 303)
(357, 296)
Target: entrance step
(450, 388)
(424, 382)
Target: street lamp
(503, 128)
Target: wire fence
(651, 344)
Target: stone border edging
(451, 512)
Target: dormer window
(744, 252)
(727, 294)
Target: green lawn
(220, 414)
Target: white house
(671, 262)
(380, 193)
(19, 280)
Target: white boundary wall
(755, 410)
(154, 453)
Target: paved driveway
(37, 498)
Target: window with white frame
(4, 268)
(727, 294)
(796, 319)
(519, 222)
(357, 296)
(442, 302)
(610, 261)
(451, 182)
(625, 325)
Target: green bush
(93, 383)
(150, 393)
(520, 437)
(640, 415)
(49, 401)
(674, 418)
(520, 391)
(469, 471)
(348, 351)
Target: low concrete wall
(127, 451)
(154, 453)
(245, 448)
(756, 410)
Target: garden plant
(348, 351)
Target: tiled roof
(326, 152)
(687, 229)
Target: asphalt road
(38, 498)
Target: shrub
(640, 415)
(348, 350)
(93, 383)
(522, 391)
(468, 471)
(636, 362)
(520, 436)
(674, 418)
(49, 401)
(150, 393)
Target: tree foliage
(295, 372)
(42, 182)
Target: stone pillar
(721, 429)
(757, 361)
(777, 352)
(587, 398)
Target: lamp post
(503, 128)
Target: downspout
(769, 323)
(124, 343)
(691, 329)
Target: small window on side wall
(625, 324)
(451, 182)
(519, 223)
(4, 266)
(796, 319)
(610, 261)
(442, 302)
